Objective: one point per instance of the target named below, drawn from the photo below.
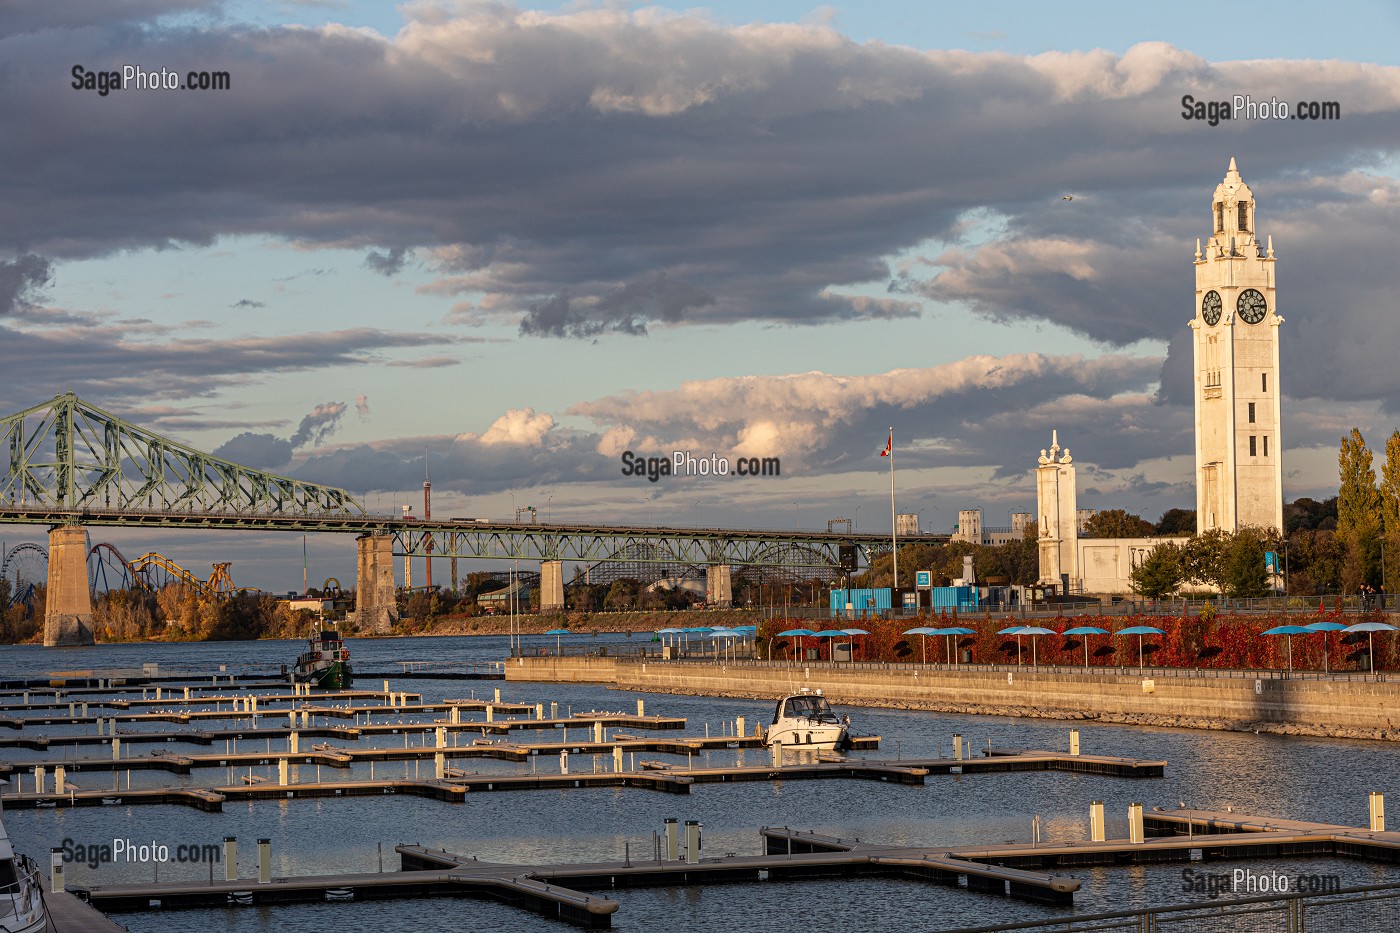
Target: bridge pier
(376, 607)
(551, 585)
(717, 589)
(68, 611)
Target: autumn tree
(1390, 502)
(1116, 523)
(1245, 576)
(1358, 511)
(1177, 522)
(1203, 559)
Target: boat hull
(333, 676)
(817, 738)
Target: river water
(1291, 777)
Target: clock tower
(1239, 462)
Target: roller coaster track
(146, 568)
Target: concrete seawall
(1347, 708)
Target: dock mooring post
(739, 727)
(1377, 812)
(264, 861)
(641, 707)
(1074, 742)
(617, 758)
(40, 779)
(1135, 832)
(598, 731)
(1096, 823)
(59, 775)
(230, 858)
(553, 710)
(564, 761)
(439, 765)
(957, 748)
(777, 754)
(116, 749)
(56, 870)
(498, 694)
(282, 771)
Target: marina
(672, 759)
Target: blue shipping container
(862, 602)
(954, 597)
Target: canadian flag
(889, 445)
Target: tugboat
(805, 721)
(325, 662)
(21, 891)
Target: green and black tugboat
(326, 661)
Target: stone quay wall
(1343, 706)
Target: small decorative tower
(1057, 508)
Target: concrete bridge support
(68, 613)
(718, 592)
(376, 606)
(551, 585)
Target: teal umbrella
(1325, 627)
(948, 635)
(921, 631)
(795, 633)
(558, 634)
(853, 632)
(1082, 631)
(1370, 628)
(1035, 631)
(1290, 631)
(1139, 631)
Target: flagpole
(894, 525)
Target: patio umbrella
(853, 632)
(794, 633)
(1324, 628)
(950, 633)
(1035, 631)
(830, 633)
(1290, 631)
(723, 636)
(1139, 631)
(921, 631)
(1370, 628)
(558, 633)
(1082, 631)
(1018, 631)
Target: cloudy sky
(516, 241)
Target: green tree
(1159, 573)
(1177, 522)
(1390, 504)
(1358, 512)
(1116, 523)
(1244, 574)
(1203, 559)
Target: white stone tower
(1239, 462)
(1057, 506)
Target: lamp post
(512, 508)
(855, 522)
(797, 520)
(548, 507)
(648, 502)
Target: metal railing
(1369, 907)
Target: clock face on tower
(1210, 307)
(1251, 306)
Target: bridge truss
(67, 454)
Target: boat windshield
(805, 706)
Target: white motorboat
(805, 721)
(21, 890)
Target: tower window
(1251, 412)
(1252, 451)
(1219, 218)
(1243, 208)
(1266, 445)
(1264, 381)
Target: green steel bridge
(73, 464)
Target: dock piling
(1377, 812)
(56, 871)
(282, 772)
(617, 758)
(1096, 822)
(264, 861)
(1135, 833)
(641, 707)
(564, 761)
(230, 858)
(1074, 741)
(692, 842)
(59, 774)
(739, 727)
(957, 748)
